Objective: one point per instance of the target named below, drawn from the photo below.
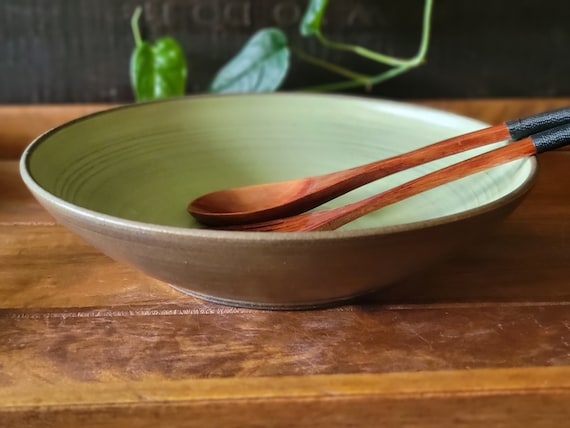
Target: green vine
(264, 61)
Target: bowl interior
(146, 162)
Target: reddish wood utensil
(281, 199)
(335, 217)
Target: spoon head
(251, 204)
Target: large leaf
(311, 22)
(158, 70)
(261, 65)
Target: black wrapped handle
(523, 127)
(551, 139)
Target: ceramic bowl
(122, 179)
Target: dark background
(55, 51)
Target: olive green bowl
(122, 179)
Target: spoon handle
(526, 126)
(341, 182)
(550, 139)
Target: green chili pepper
(157, 70)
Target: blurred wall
(54, 51)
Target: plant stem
(426, 31)
(386, 59)
(349, 84)
(135, 26)
(399, 66)
(362, 78)
(359, 50)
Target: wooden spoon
(275, 200)
(333, 218)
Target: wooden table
(481, 340)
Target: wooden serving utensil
(333, 218)
(286, 198)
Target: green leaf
(158, 70)
(260, 66)
(311, 22)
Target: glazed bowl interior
(145, 163)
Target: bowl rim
(152, 228)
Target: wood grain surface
(474, 398)
(481, 339)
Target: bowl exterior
(279, 274)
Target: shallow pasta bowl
(122, 178)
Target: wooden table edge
(399, 385)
